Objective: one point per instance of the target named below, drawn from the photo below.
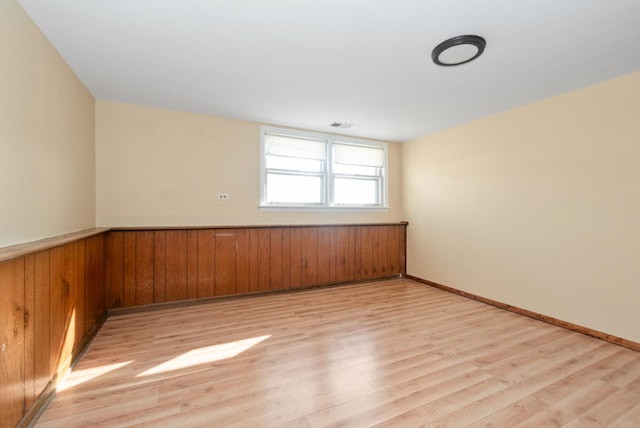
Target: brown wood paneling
(144, 268)
(324, 255)
(309, 256)
(12, 387)
(129, 268)
(47, 299)
(276, 265)
(29, 329)
(286, 258)
(264, 259)
(295, 252)
(192, 264)
(57, 301)
(253, 259)
(358, 231)
(382, 249)
(91, 282)
(402, 253)
(353, 253)
(333, 255)
(342, 254)
(115, 270)
(99, 293)
(176, 265)
(41, 319)
(225, 262)
(394, 245)
(159, 263)
(78, 309)
(374, 252)
(205, 263)
(242, 261)
(365, 263)
(68, 335)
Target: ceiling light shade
(458, 50)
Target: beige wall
(162, 167)
(538, 207)
(47, 166)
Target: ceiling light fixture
(458, 50)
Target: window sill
(322, 209)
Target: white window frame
(328, 176)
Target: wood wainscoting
(53, 301)
(150, 266)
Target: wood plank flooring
(390, 353)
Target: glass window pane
(300, 189)
(294, 164)
(350, 191)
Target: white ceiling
(307, 63)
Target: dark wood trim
(256, 226)
(204, 300)
(19, 250)
(549, 320)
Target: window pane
(301, 189)
(351, 191)
(294, 164)
(304, 168)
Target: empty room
(266, 213)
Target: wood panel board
(144, 281)
(243, 261)
(192, 264)
(57, 316)
(29, 329)
(115, 270)
(159, 266)
(276, 264)
(12, 346)
(41, 319)
(129, 268)
(309, 256)
(206, 263)
(225, 262)
(176, 265)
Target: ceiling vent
(341, 125)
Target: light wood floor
(392, 353)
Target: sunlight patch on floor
(207, 354)
(78, 377)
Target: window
(307, 169)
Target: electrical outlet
(223, 196)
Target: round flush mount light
(458, 50)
